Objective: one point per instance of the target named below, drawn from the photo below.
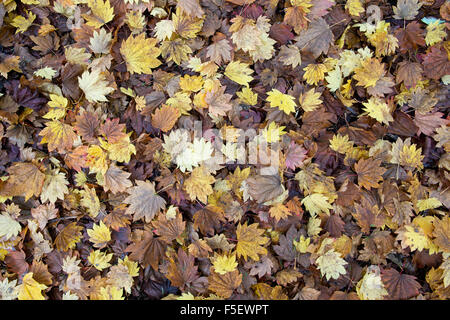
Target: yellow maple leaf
(247, 96)
(284, 102)
(94, 86)
(109, 293)
(96, 159)
(68, 237)
(302, 244)
(234, 181)
(435, 32)
(57, 106)
(140, 54)
(379, 110)
(135, 20)
(121, 150)
(224, 263)
(30, 289)
(371, 287)
(426, 204)
(309, 101)
(354, 7)
(341, 144)
(100, 260)
(21, 23)
(413, 237)
(410, 156)
(316, 203)
(239, 72)
(185, 25)
(58, 136)
(250, 241)
(99, 235)
(198, 185)
(102, 11)
(90, 201)
(133, 266)
(314, 73)
(45, 73)
(177, 50)
(279, 211)
(369, 72)
(273, 132)
(331, 265)
(191, 83)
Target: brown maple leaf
(169, 229)
(148, 251)
(224, 284)
(369, 173)
(399, 285)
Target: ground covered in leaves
(114, 115)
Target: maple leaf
(100, 260)
(371, 287)
(58, 106)
(436, 63)
(309, 101)
(165, 118)
(143, 200)
(224, 284)
(94, 86)
(370, 71)
(441, 233)
(54, 188)
(411, 37)
(295, 156)
(208, 219)
(43, 213)
(148, 251)
(368, 215)
(169, 229)
(198, 185)
(263, 188)
(410, 73)
(9, 227)
(140, 54)
(90, 201)
(379, 110)
(99, 235)
(58, 136)
(266, 292)
(279, 212)
(435, 33)
(399, 285)
(250, 241)
(68, 237)
(314, 73)
(317, 203)
(429, 122)
(239, 72)
(219, 51)
(218, 102)
(369, 173)
(103, 13)
(331, 265)
(316, 39)
(224, 263)
(25, 179)
(290, 55)
(21, 23)
(116, 180)
(406, 9)
(182, 272)
(30, 289)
